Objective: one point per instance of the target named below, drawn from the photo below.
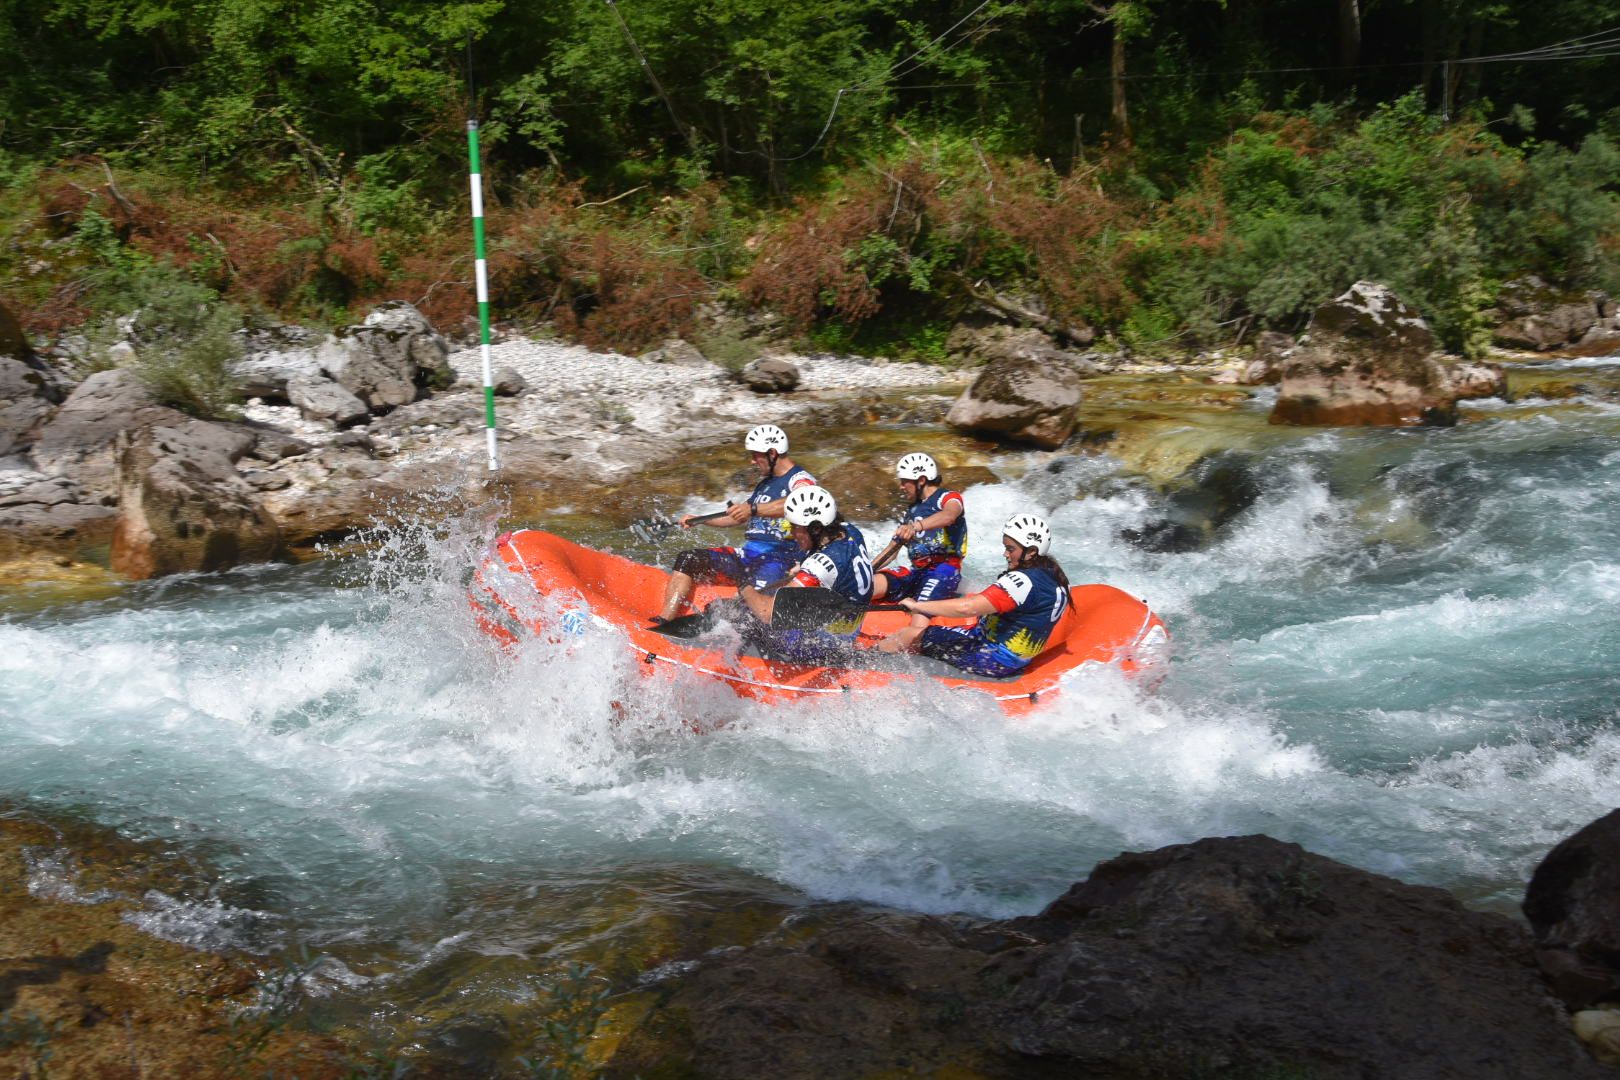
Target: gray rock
(319, 398)
(443, 411)
(1366, 359)
(1025, 400)
(266, 375)
(1233, 956)
(389, 360)
(66, 527)
(37, 489)
(769, 375)
(974, 345)
(677, 351)
(77, 442)
(27, 400)
(357, 440)
(509, 383)
(183, 507)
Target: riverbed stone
(182, 505)
(1028, 400)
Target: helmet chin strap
(771, 458)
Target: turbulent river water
(1402, 655)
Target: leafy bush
(182, 333)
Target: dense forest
(1172, 173)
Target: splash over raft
(533, 583)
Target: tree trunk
(1122, 119)
(1349, 36)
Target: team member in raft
(934, 532)
(835, 559)
(1016, 613)
(768, 551)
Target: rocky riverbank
(342, 431)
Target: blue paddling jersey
(946, 542)
(1028, 605)
(771, 535)
(844, 567)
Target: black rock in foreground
(1227, 957)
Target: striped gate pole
(481, 271)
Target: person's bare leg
(880, 587)
(905, 640)
(677, 594)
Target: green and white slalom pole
(481, 271)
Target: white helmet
(810, 505)
(765, 438)
(917, 467)
(1027, 530)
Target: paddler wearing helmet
(1016, 613)
(768, 551)
(933, 533)
(834, 559)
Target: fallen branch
(615, 198)
(1000, 305)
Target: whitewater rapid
(1401, 656)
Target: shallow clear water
(1403, 657)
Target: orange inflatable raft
(1101, 626)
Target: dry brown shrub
(968, 221)
(809, 269)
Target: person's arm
(958, 607)
(735, 514)
(945, 515)
(759, 604)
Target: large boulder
(40, 513)
(1537, 316)
(319, 398)
(1027, 400)
(27, 400)
(1367, 359)
(1573, 906)
(182, 505)
(1241, 956)
(770, 375)
(78, 442)
(389, 360)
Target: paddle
(888, 554)
(816, 609)
(652, 529)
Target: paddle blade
(815, 609)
